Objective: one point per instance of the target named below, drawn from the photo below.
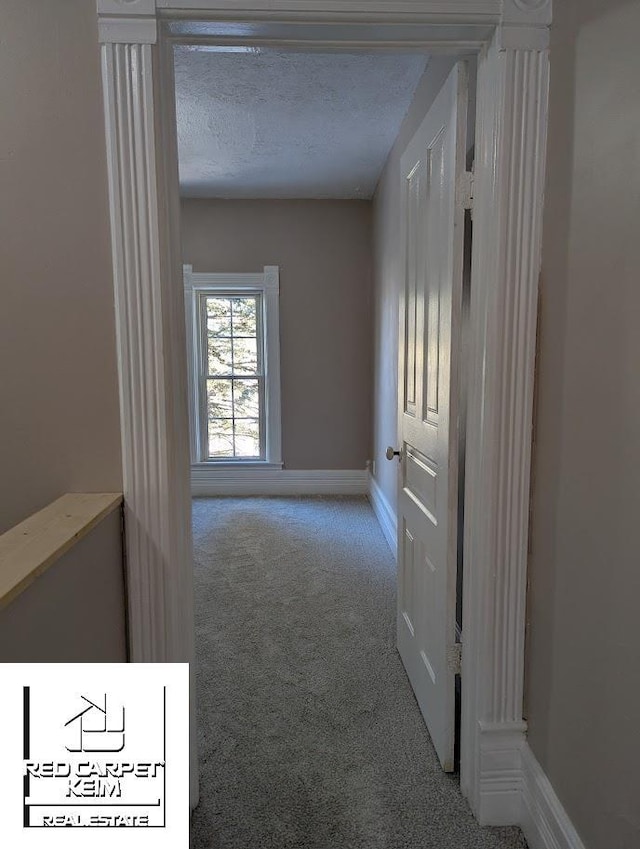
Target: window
(233, 380)
(234, 369)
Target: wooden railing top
(29, 548)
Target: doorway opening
(311, 169)
(512, 42)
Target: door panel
(433, 236)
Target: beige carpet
(309, 733)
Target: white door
(433, 167)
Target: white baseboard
(544, 821)
(211, 482)
(514, 790)
(385, 515)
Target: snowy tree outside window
(234, 376)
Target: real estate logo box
(103, 766)
(94, 746)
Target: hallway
(309, 734)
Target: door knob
(390, 453)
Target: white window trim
(267, 284)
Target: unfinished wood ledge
(29, 548)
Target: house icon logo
(97, 727)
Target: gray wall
(74, 612)
(59, 419)
(388, 275)
(584, 647)
(323, 249)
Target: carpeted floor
(309, 733)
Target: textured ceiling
(285, 124)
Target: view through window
(234, 375)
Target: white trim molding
(500, 781)
(267, 284)
(152, 417)
(511, 37)
(386, 517)
(516, 790)
(252, 481)
(436, 11)
(543, 819)
(127, 21)
(153, 411)
(508, 197)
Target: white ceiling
(285, 124)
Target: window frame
(266, 285)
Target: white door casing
(151, 348)
(432, 229)
(511, 38)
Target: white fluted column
(150, 343)
(510, 155)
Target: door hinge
(454, 658)
(465, 190)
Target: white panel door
(433, 167)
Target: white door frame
(511, 37)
